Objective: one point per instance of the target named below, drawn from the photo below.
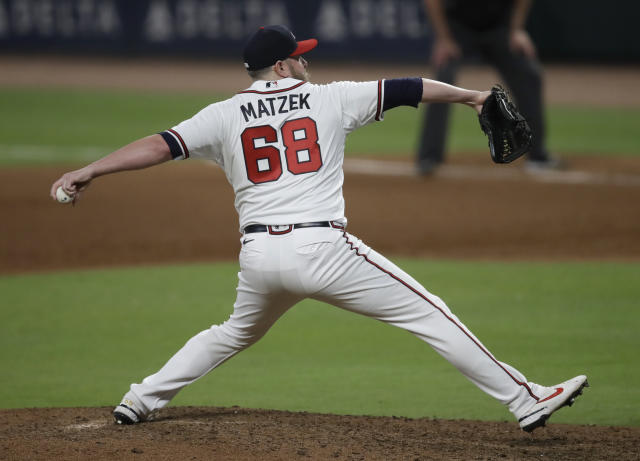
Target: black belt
(285, 229)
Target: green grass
(80, 338)
(72, 125)
(571, 130)
(83, 121)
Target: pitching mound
(187, 433)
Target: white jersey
(281, 145)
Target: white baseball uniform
(281, 145)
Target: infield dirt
(186, 433)
(184, 212)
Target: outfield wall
(567, 30)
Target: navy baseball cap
(271, 44)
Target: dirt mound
(240, 434)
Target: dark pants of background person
(522, 76)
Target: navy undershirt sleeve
(174, 145)
(402, 92)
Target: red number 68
(302, 151)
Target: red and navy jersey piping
(274, 91)
(380, 99)
(176, 144)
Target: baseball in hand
(62, 196)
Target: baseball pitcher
(281, 145)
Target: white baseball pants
(330, 265)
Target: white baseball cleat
(557, 397)
(127, 413)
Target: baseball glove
(508, 132)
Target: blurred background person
(493, 30)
